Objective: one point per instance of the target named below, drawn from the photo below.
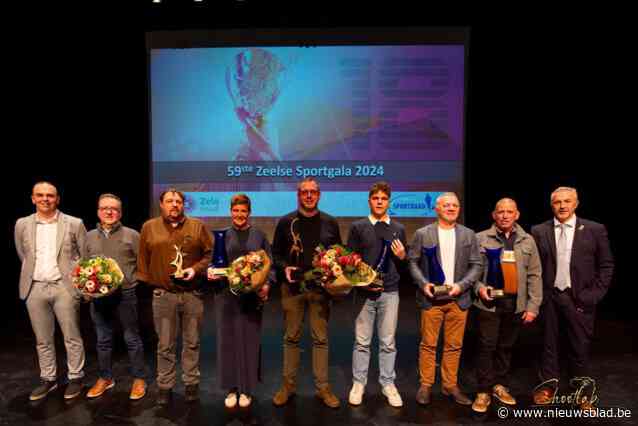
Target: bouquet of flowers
(249, 272)
(338, 269)
(97, 277)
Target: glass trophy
(494, 278)
(435, 274)
(383, 263)
(219, 263)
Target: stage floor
(614, 365)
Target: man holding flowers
(113, 240)
(297, 235)
(372, 237)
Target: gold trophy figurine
(178, 275)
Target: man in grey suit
(443, 253)
(48, 243)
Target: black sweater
(364, 239)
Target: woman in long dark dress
(238, 318)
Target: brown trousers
(453, 330)
(169, 310)
(294, 307)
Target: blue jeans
(103, 312)
(385, 309)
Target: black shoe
(192, 393)
(163, 397)
(73, 389)
(43, 389)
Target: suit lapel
(60, 234)
(577, 239)
(551, 237)
(32, 234)
(434, 237)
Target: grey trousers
(47, 302)
(169, 311)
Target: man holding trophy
(510, 293)
(381, 243)
(445, 262)
(296, 236)
(174, 250)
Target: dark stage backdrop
(540, 113)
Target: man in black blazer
(577, 269)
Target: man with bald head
(500, 319)
(577, 269)
(49, 243)
(455, 248)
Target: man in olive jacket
(500, 319)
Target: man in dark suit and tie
(577, 269)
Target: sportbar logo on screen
(419, 204)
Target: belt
(47, 282)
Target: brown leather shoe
(328, 397)
(283, 395)
(501, 393)
(482, 401)
(101, 386)
(458, 396)
(138, 389)
(544, 396)
(424, 395)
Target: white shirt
(46, 262)
(374, 220)
(447, 245)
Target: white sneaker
(391, 392)
(231, 400)
(244, 400)
(356, 393)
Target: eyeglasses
(110, 209)
(312, 192)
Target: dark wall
(540, 113)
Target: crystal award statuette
(219, 262)
(383, 263)
(494, 278)
(510, 272)
(436, 275)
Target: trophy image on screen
(494, 278)
(254, 82)
(178, 276)
(436, 275)
(219, 262)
